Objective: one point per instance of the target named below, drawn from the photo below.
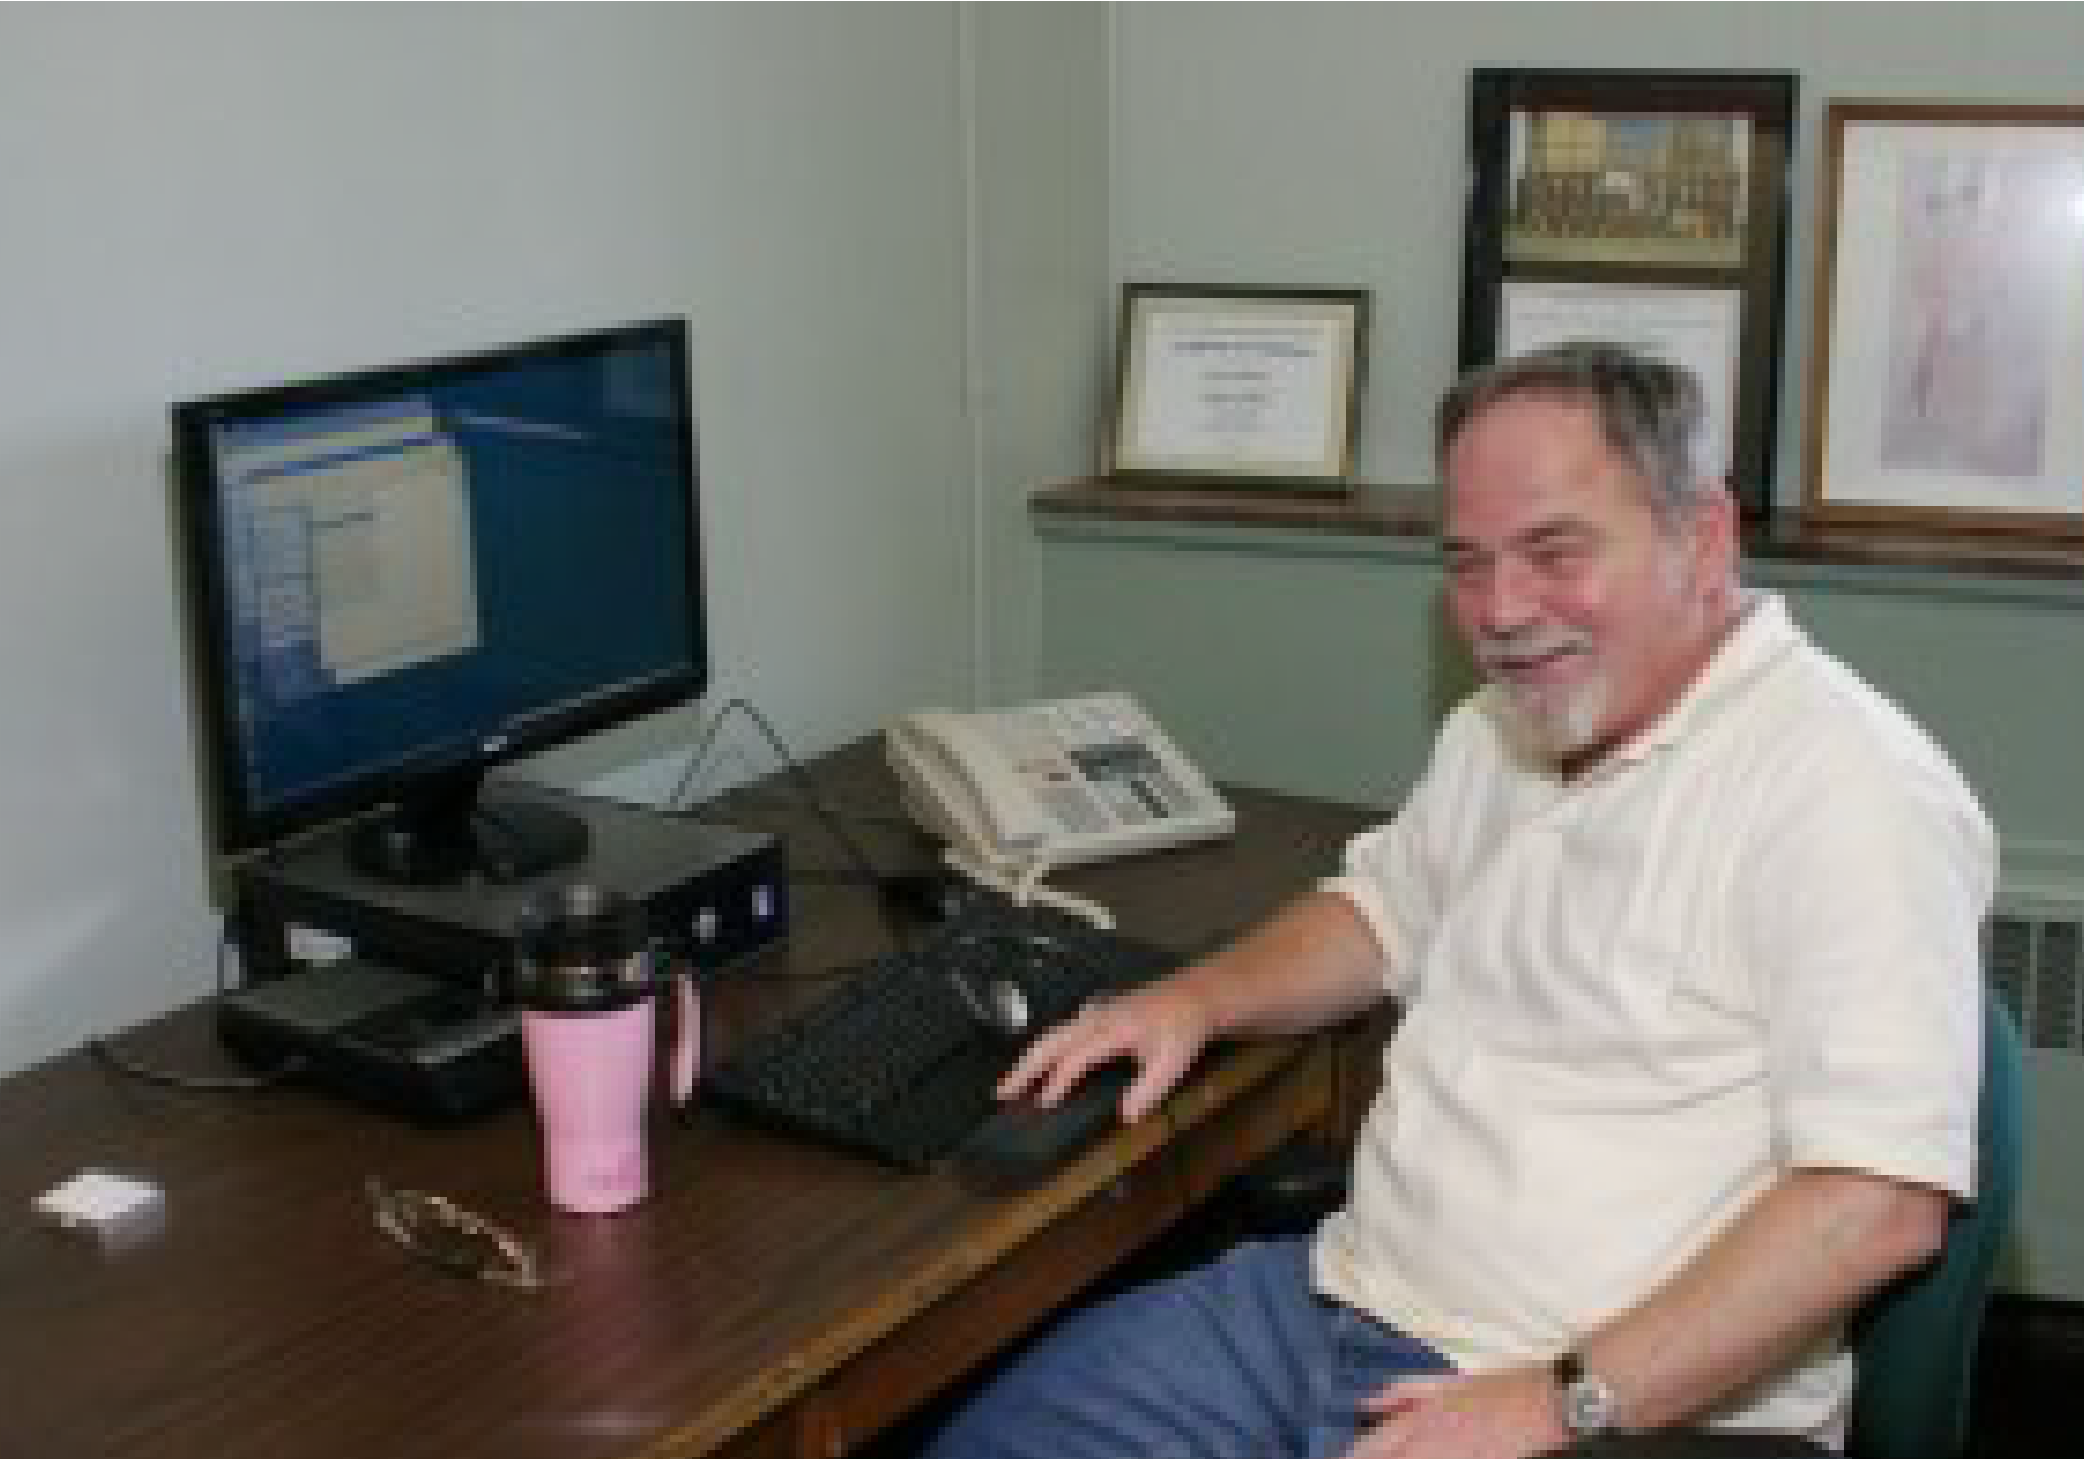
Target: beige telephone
(1054, 784)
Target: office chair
(1914, 1342)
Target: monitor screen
(401, 577)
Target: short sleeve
(1868, 892)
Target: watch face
(1588, 1406)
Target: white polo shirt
(1746, 941)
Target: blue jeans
(1236, 1360)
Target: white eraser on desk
(101, 1203)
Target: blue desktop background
(581, 523)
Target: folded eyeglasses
(452, 1239)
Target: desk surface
(770, 1298)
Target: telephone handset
(1055, 784)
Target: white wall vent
(2032, 962)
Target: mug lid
(582, 948)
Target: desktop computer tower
(711, 894)
(412, 1009)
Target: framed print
(1644, 207)
(1949, 356)
(1238, 386)
(1600, 187)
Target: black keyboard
(896, 1062)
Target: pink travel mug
(586, 985)
(591, 1076)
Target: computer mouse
(1024, 1142)
(995, 1002)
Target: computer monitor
(399, 578)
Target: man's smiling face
(1591, 610)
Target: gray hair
(1653, 412)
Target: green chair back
(1915, 1343)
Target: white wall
(201, 198)
(1042, 338)
(1327, 144)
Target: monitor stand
(453, 824)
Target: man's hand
(1312, 963)
(1508, 1414)
(1162, 1027)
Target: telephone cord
(1023, 885)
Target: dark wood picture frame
(1238, 386)
(1649, 199)
(1950, 317)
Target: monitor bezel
(241, 826)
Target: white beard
(1558, 724)
(1555, 721)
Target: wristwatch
(1589, 1403)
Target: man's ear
(1717, 534)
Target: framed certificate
(1647, 208)
(1238, 386)
(1695, 327)
(1950, 321)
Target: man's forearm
(1313, 963)
(1802, 1258)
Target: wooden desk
(770, 1299)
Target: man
(1683, 919)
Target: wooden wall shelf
(1413, 512)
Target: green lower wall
(1319, 663)
(1292, 662)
